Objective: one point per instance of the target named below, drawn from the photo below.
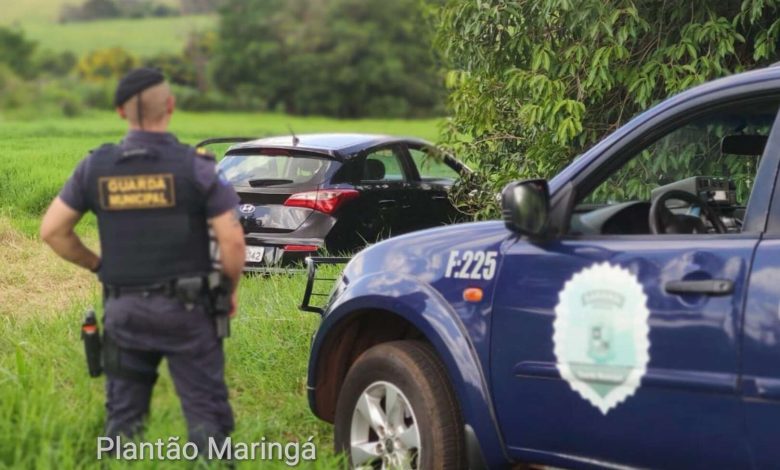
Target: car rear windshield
(259, 170)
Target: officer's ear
(121, 111)
(170, 104)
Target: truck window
(715, 158)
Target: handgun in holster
(220, 293)
(190, 291)
(90, 334)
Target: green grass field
(50, 411)
(39, 155)
(19, 11)
(143, 37)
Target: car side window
(430, 165)
(687, 181)
(383, 165)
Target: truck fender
(422, 306)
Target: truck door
(760, 380)
(614, 345)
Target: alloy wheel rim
(384, 432)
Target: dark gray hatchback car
(308, 194)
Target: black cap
(135, 82)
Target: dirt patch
(33, 280)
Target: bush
(94, 95)
(55, 64)
(62, 97)
(532, 84)
(106, 64)
(90, 10)
(16, 51)
(38, 98)
(108, 9)
(14, 92)
(176, 68)
(199, 7)
(191, 99)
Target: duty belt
(165, 288)
(190, 290)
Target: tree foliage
(345, 58)
(16, 51)
(106, 65)
(108, 9)
(534, 83)
(199, 7)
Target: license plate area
(254, 254)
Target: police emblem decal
(601, 334)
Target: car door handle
(387, 204)
(439, 198)
(705, 286)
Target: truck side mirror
(525, 206)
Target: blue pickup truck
(624, 314)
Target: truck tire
(397, 409)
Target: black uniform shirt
(221, 197)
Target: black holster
(191, 290)
(220, 292)
(90, 335)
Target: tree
(533, 84)
(91, 10)
(345, 58)
(198, 52)
(17, 52)
(108, 9)
(197, 7)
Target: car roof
(342, 146)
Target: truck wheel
(397, 410)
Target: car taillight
(300, 248)
(324, 200)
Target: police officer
(155, 200)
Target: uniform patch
(601, 334)
(119, 193)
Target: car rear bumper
(281, 254)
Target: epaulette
(138, 152)
(104, 147)
(203, 153)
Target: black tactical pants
(146, 329)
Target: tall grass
(50, 410)
(42, 10)
(36, 157)
(39, 19)
(142, 37)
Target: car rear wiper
(268, 182)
